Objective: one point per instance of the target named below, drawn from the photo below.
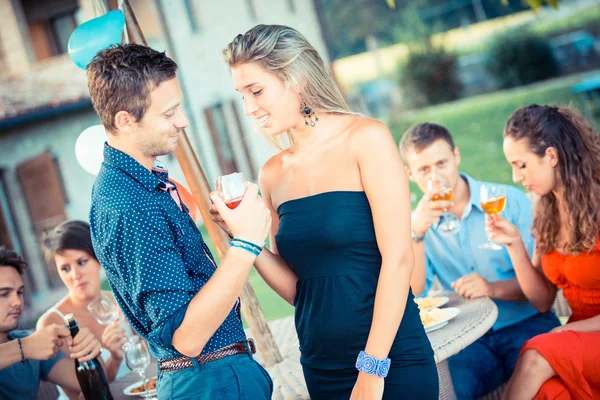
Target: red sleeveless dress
(575, 356)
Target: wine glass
(137, 357)
(232, 188)
(106, 311)
(493, 200)
(438, 188)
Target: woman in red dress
(555, 153)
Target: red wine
(89, 373)
(233, 203)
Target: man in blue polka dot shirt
(158, 266)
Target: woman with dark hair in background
(69, 247)
(555, 153)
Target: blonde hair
(285, 52)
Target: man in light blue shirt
(461, 265)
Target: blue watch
(372, 366)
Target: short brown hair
(10, 258)
(421, 136)
(69, 235)
(121, 78)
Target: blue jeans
(230, 378)
(489, 362)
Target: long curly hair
(578, 148)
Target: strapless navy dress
(329, 240)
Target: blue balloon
(95, 35)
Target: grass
(477, 123)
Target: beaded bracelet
(21, 350)
(248, 243)
(248, 246)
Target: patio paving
(288, 380)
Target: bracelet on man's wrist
(246, 245)
(21, 350)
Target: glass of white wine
(439, 188)
(493, 201)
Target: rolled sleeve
(156, 276)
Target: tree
(353, 25)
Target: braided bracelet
(246, 245)
(21, 350)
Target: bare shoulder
(368, 133)
(49, 318)
(271, 170)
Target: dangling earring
(308, 114)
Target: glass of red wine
(232, 188)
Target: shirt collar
(475, 190)
(474, 194)
(131, 167)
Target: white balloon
(89, 148)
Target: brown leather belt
(177, 363)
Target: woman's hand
(501, 231)
(368, 387)
(113, 338)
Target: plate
(128, 390)
(429, 303)
(436, 326)
(438, 318)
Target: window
(10, 238)
(220, 136)
(228, 137)
(50, 25)
(43, 191)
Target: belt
(177, 363)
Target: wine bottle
(89, 373)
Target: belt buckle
(251, 345)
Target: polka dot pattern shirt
(154, 256)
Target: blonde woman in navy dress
(340, 239)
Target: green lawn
(476, 123)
